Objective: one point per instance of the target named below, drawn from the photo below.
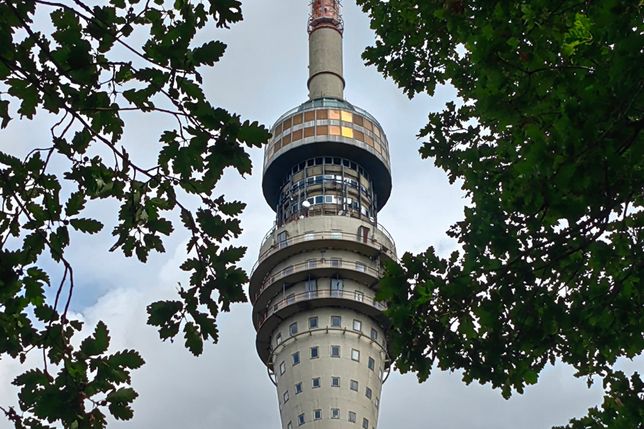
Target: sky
(262, 75)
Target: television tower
(320, 332)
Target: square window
(361, 267)
(282, 367)
(355, 355)
(315, 382)
(336, 321)
(335, 351)
(298, 388)
(357, 325)
(315, 352)
(296, 358)
(372, 363)
(365, 423)
(358, 296)
(335, 381)
(292, 329)
(285, 396)
(317, 414)
(300, 420)
(368, 393)
(374, 334)
(352, 417)
(313, 322)
(354, 385)
(335, 413)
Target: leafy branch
(74, 73)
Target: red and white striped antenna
(326, 13)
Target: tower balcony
(283, 308)
(318, 233)
(295, 271)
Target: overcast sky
(262, 75)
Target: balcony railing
(354, 295)
(323, 235)
(312, 264)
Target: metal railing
(312, 264)
(354, 295)
(323, 235)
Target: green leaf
(27, 93)
(253, 134)
(75, 203)
(91, 226)
(160, 312)
(124, 394)
(194, 342)
(531, 377)
(46, 313)
(98, 343)
(126, 359)
(118, 401)
(209, 53)
(232, 208)
(4, 113)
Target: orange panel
(369, 140)
(357, 120)
(297, 135)
(297, 119)
(309, 116)
(309, 132)
(347, 132)
(346, 116)
(286, 124)
(322, 130)
(367, 125)
(286, 140)
(334, 114)
(322, 114)
(359, 135)
(334, 130)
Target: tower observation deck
(320, 331)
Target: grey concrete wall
(325, 64)
(325, 367)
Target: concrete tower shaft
(325, 50)
(320, 331)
